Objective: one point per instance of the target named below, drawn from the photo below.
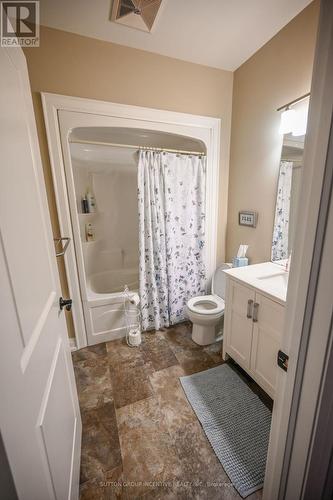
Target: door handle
(67, 303)
(249, 308)
(255, 312)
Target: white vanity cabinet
(238, 327)
(253, 327)
(266, 342)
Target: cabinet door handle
(249, 308)
(255, 312)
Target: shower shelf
(90, 213)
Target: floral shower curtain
(171, 199)
(281, 223)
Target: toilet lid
(206, 304)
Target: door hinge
(282, 360)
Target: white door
(39, 418)
(267, 335)
(238, 322)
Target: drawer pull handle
(249, 308)
(255, 312)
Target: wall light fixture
(294, 120)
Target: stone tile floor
(141, 438)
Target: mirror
(288, 191)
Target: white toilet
(206, 311)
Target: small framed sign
(247, 218)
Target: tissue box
(240, 261)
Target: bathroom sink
(278, 279)
(267, 277)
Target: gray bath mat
(236, 423)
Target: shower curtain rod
(166, 150)
(300, 163)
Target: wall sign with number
(247, 218)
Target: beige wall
(276, 74)
(74, 65)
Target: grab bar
(64, 248)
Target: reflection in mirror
(288, 191)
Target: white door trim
(53, 103)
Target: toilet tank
(218, 281)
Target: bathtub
(103, 303)
(114, 281)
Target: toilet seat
(206, 304)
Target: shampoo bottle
(91, 202)
(85, 208)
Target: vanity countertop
(269, 278)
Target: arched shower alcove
(95, 147)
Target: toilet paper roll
(135, 299)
